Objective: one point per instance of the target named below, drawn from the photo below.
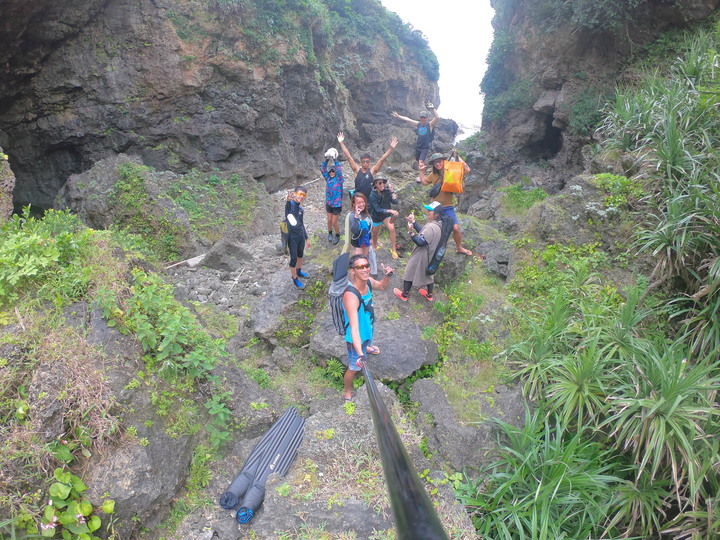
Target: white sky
(459, 33)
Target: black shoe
(300, 273)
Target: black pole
(415, 517)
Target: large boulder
(402, 347)
(458, 444)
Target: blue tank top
(366, 317)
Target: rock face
(548, 72)
(179, 84)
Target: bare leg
(348, 380)
(391, 229)
(457, 236)
(374, 236)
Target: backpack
(446, 229)
(284, 236)
(339, 285)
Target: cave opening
(548, 146)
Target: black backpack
(339, 285)
(446, 229)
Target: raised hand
(393, 142)
(341, 137)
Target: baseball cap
(423, 114)
(434, 206)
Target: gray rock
(402, 349)
(228, 255)
(458, 444)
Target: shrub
(520, 197)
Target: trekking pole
(415, 517)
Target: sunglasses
(300, 194)
(361, 266)
(364, 161)
(380, 181)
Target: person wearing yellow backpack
(447, 183)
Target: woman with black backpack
(426, 241)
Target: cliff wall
(195, 84)
(552, 65)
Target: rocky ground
(334, 489)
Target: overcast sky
(459, 34)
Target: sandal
(394, 254)
(372, 349)
(399, 294)
(347, 399)
(427, 295)
(464, 251)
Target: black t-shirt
(363, 183)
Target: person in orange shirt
(445, 198)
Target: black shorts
(333, 210)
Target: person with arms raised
(364, 172)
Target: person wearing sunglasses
(381, 200)
(297, 235)
(332, 172)
(360, 316)
(364, 173)
(445, 198)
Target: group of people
(372, 199)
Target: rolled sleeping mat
(278, 461)
(234, 493)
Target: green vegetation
(622, 192)
(319, 24)
(132, 202)
(513, 95)
(520, 197)
(624, 384)
(68, 512)
(585, 111)
(55, 262)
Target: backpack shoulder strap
(353, 290)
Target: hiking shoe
(400, 294)
(301, 273)
(330, 237)
(336, 239)
(299, 284)
(427, 295)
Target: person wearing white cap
(334, 179)
(426, 241)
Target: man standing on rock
(425, 132)
(360, 315)
(445, 198)
(364, 173)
